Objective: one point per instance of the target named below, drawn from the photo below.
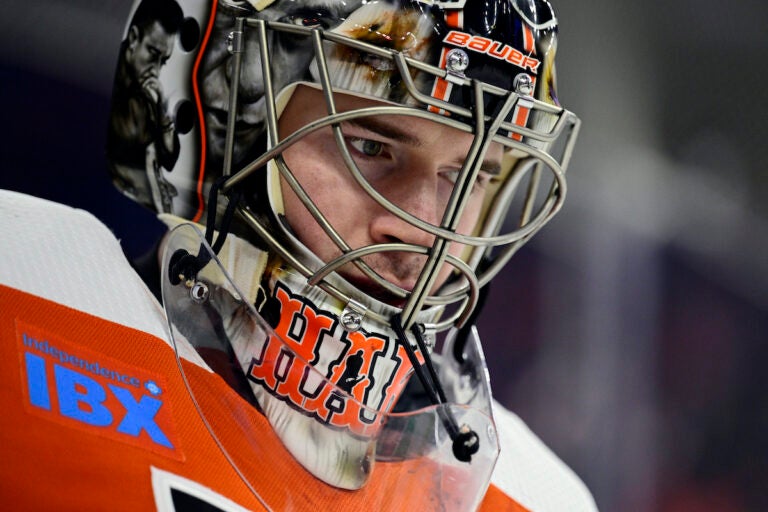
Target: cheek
(301, 221)
(244, 141)
(320, 171)
(142, 58)
(334, 193)
(214, 84)
(215, 52)
(471, 215)
(328, 191)
(213, 65)
(288, 63)
(466, 226)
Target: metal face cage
(534, 182)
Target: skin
(412, 162)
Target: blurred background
(634, 328)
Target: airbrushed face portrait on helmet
(379, 162)
(289, 57)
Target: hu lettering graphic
(340, 378)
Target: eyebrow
(491, 167)
(386, 130)
(392, 132)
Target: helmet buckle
(523, 84)
(456, 62)
(352, 316)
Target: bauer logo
(492, 48)
(72, 385)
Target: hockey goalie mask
(440, 119)
(479, 78)
(379, 162)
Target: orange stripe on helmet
(441, 89)
(528, 40)
(455, 18)
(520, 118)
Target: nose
(157, 68)
(417, 196)
(251, 87)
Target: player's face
(289, 58)
(412, 162)
(148, 52)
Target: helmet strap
(185, 266)
(466, 442)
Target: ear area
(133, 37)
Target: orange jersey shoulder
(97, 415)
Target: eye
(366, 147)
(239, 6)
(309, 18)
(483, 180)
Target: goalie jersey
(97, 416)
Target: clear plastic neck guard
(327, 396)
